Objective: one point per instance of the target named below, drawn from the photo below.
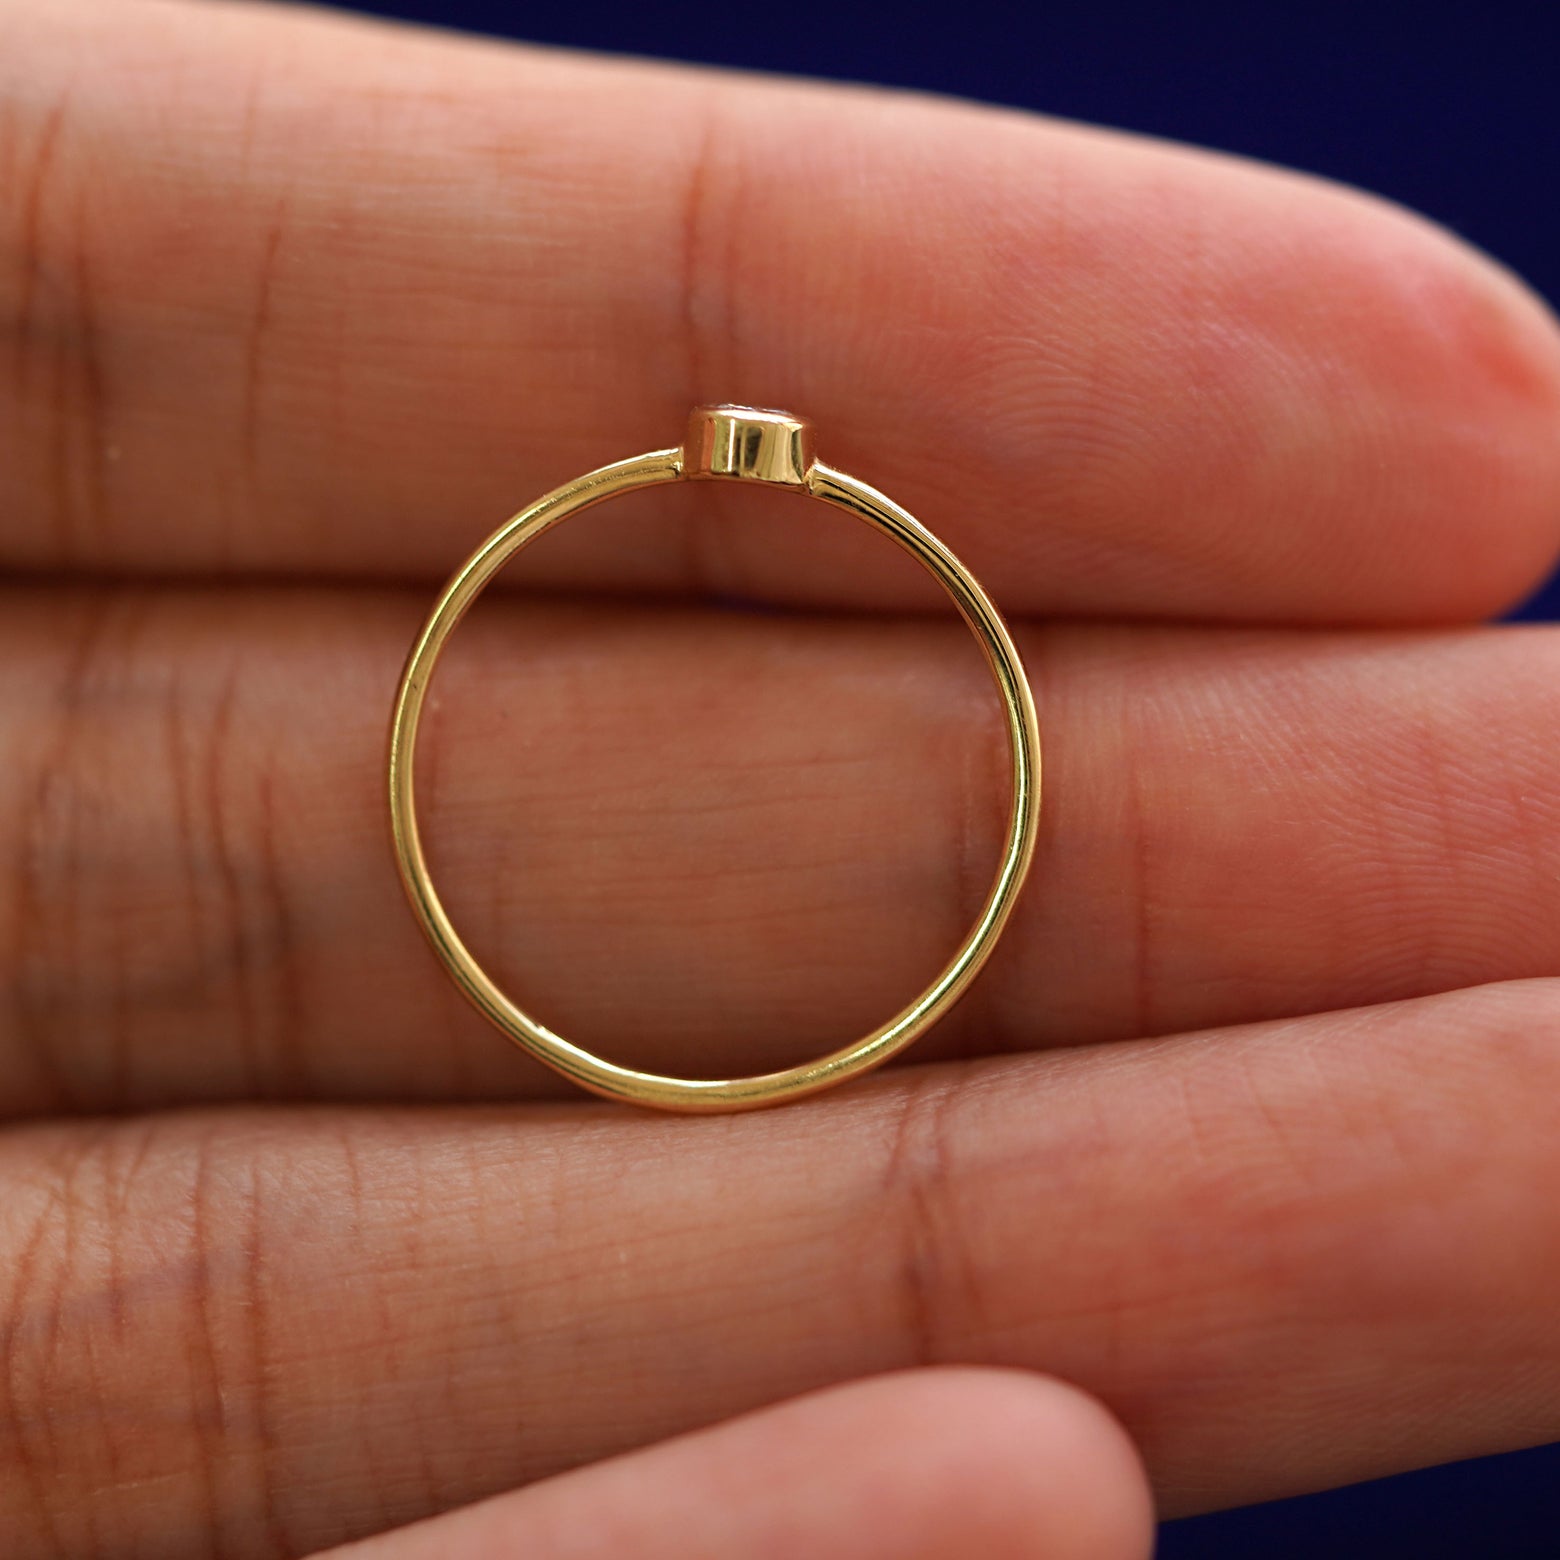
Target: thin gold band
(743, 443)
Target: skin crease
(1248, 1131)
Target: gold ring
(743, 443)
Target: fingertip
(918, 1465)
(1047, 1468)
(1463, 361)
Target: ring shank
(691, 1095)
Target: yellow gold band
(741, 443)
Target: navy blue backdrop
(1453, 109)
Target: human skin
(1234, 1175)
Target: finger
(907, 1467)
(294, 293)
(1235, 826)
(1285, 1257)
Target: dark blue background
(1448, 108)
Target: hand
(296, 1250)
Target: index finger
(1286, 1257)
(291, 293)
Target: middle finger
(716, 842)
